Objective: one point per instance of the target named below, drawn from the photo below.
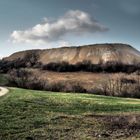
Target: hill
(97, 53)
(29, 114)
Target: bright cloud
(74, 22)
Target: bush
(36, 84)
(122, 87)
(5, 66)
(55, 87)
(109, 67)
(19, 77)
(25, 79)
(128, 81)
(30, 60)
(77, 88)
(65, 87)
(59, 67)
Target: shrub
(19, 77)
(109, 67)
(77, 88)
(65, 87)
(56, 87)
(36, 84)
(122, 87)
(128, 81)
(25, 79)
(30, 60)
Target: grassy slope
(46, 115)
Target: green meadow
(29, 114)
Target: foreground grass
(28, 114)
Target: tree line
(87, 66)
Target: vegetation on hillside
(31, 61)
(21, 75)
(120, 86)
(108, 67)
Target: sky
(43, 24)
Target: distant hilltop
(96, 54)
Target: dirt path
(3, 91)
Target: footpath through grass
(28, 114)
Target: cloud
(1, 57)
(63, 43)
(74, 22)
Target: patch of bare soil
(95, 127)
(118, 126)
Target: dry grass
(87, 80)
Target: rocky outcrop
(95, 53)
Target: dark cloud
(73, 22)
